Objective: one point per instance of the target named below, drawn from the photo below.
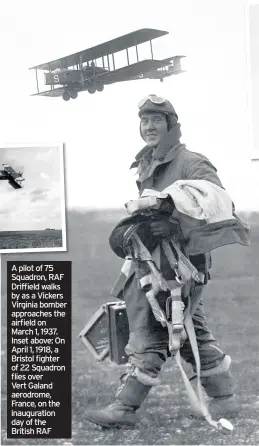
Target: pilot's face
(153, 127)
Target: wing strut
(127, 51)
(37, 82)
(113, 61)
(137, 53)
(52, 86)
(151, 49)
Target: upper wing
(9, 169)
(132, 71)
(110, 47)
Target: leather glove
(162, 227)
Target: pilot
(163, 161)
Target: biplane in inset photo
(14, 178)
(91, 69)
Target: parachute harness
(177, 318)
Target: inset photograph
(32, 208)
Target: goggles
(153, 98)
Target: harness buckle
(177, 328)
(179, 279)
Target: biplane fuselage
(14, 178)
(94, 67)
(70, 77)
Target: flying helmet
(119, 239)
(156, 104)
(139, 223)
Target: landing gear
(66, 96)
(99, 87)
(94, 86)
(73, 94)
(69, 94)
(91, 89)
(162, 80)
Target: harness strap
(182, 266)
(146, 285)
(153, 283)
(175, 319)
(198, 401)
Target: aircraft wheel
(100, 87)
(73, 94)
(66, 96)
(161, 80)
(91, 90)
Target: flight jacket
(192, 181)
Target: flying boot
(218, 384)
(122, 412)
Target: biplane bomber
(14, 178)
(91, 69)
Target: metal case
(107, 333)
(118, 332)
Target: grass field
(231, 303)
(30, 239)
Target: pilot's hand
(162, 227)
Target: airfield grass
(28, 239)
(231, 304)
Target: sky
(101, 131)
(253, 65)
(40, 202)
